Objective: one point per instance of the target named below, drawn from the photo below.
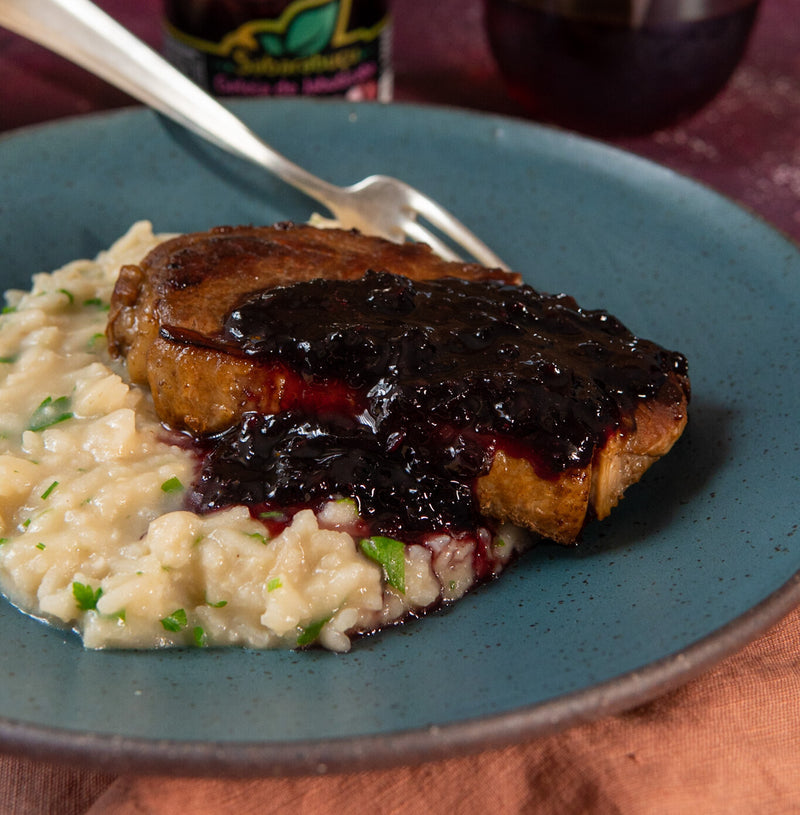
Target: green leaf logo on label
(311, 30)
(308, 32)
(272, 44)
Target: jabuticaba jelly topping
(444, 373)
(291, 460)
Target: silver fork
(378, 205)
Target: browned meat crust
(559, 508)
(192, 281)
(189, 284)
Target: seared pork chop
(171, 318)
(190, 283)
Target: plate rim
(136, 110)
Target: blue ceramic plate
(699, 559)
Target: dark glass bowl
(617, 67)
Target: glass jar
(282, 47)
(617, 67)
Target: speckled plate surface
(699, 559)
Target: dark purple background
(745, 144)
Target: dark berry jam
(442, 374)
(292, 460)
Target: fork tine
(417, 232)
(453, 228)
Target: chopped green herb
(219, 604)
(8, 360)
(258, 536)
(26, 523)
(41, 546)
(3, 540)
(390, 554)
(49, 491)
(85, 596)
(274, 583)
(69, 294)
(175, 621)
(272, 515)
(94, 301)
(119, 615)
(95, 338)
(499, 543)
(8, 309)
(172, 485)
(310, 633)
(50, 411)
(199, 636)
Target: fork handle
(86, 35)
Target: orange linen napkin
(727, 742)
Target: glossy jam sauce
(443, 373)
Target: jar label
(310, 49)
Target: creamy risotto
(92, 531)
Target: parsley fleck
(274, 583)
(172, 485)
(70, 296)
(49, 491)
(41, 546)
(272, 515)
(219, 604)
(390, 554)
(310, 633)
(85, 596)
(50, 411)
(3, 540)
(258, 536)
(8, 360)
(94, 301)
(199, 637)
(175, 621)
(8, 309)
